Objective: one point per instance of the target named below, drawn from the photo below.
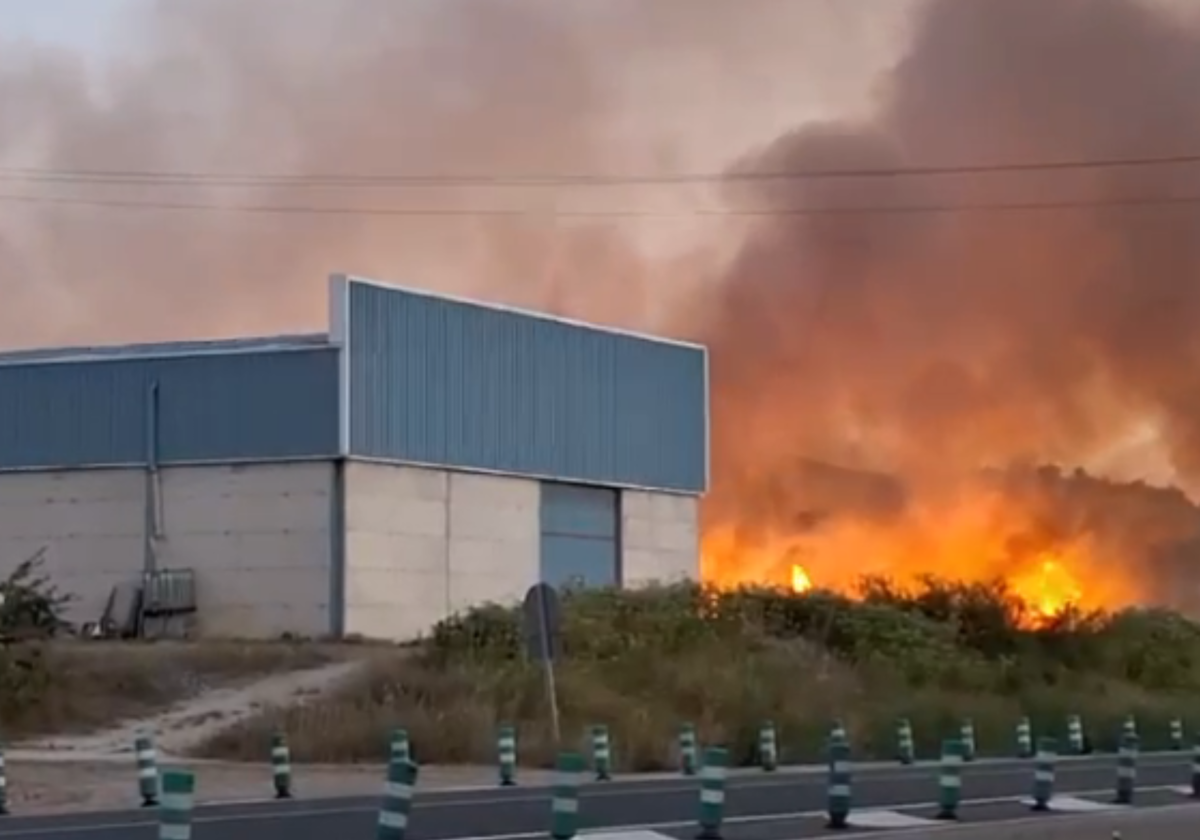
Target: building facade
(425, 455)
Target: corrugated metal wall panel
(210, 408)
(579, 535)
(456, 384)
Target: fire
(1048, 588)
(801, 582)
(975, 538)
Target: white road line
(879, 818)
(1014, 822)
(747, 820)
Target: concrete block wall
(495, 538)
(90, 522)
(660, 537)
(395, 550)
(257, 536)
(422, 544)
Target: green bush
(644, 661)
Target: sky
(84, 25)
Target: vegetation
(643, 662)
(51, 682)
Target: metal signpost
(543, 640)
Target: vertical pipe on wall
(449, 479)
(153, 525)
(337, 550)
(619, 538)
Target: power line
(1132, 202)
(132, 177)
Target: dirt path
(97, 771)
(191, 722)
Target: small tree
(32, 606)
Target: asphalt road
(760, 806)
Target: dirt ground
(42, 787)
(95, 770)
(180, 727)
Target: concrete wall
(257, 536)
(422, 544)
(660, 537)
(259, 539)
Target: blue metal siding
(579, 535)
(445, 382)
(210, 408)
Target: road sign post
(542, 614)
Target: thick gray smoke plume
(924, 343)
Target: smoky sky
(924, 343)
(378, 88)
(906, 342)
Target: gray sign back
(543, 623)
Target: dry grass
(643, 663)
(64, 687)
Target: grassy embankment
(59, 686)
(643, 662)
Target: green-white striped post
(3, 786)
(1196, 768)
(147, 769)
(1075, 734)
(281, 766)
(397, 800)
(1126, 769)
(1043, 773)
(399, 748)
(601, 753)
(564, 804)
(712, 793)
(688, 749)
(1129, 727)
(967, 734)
(950, 779)
(768, 747)
(839, 731)
(178, 800)
(838, 788)
(906, 751)
(1024, 738)
(506, 753)
(1176, 734)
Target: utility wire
(186, 178)
(1130, 202)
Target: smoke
(377, 87)
(930, 344)
(914, 344)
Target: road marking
(1075, 805)
(51, 831)
(887, 819)
(1013, 822)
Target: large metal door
(579, 535)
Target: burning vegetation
(928, 344)
(1056, 541)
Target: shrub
(645, 661)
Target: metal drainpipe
(449, 477)
(152, 528)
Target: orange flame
(1048, 588)
(973, 538)
(801, 582)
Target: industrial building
(425, 455)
